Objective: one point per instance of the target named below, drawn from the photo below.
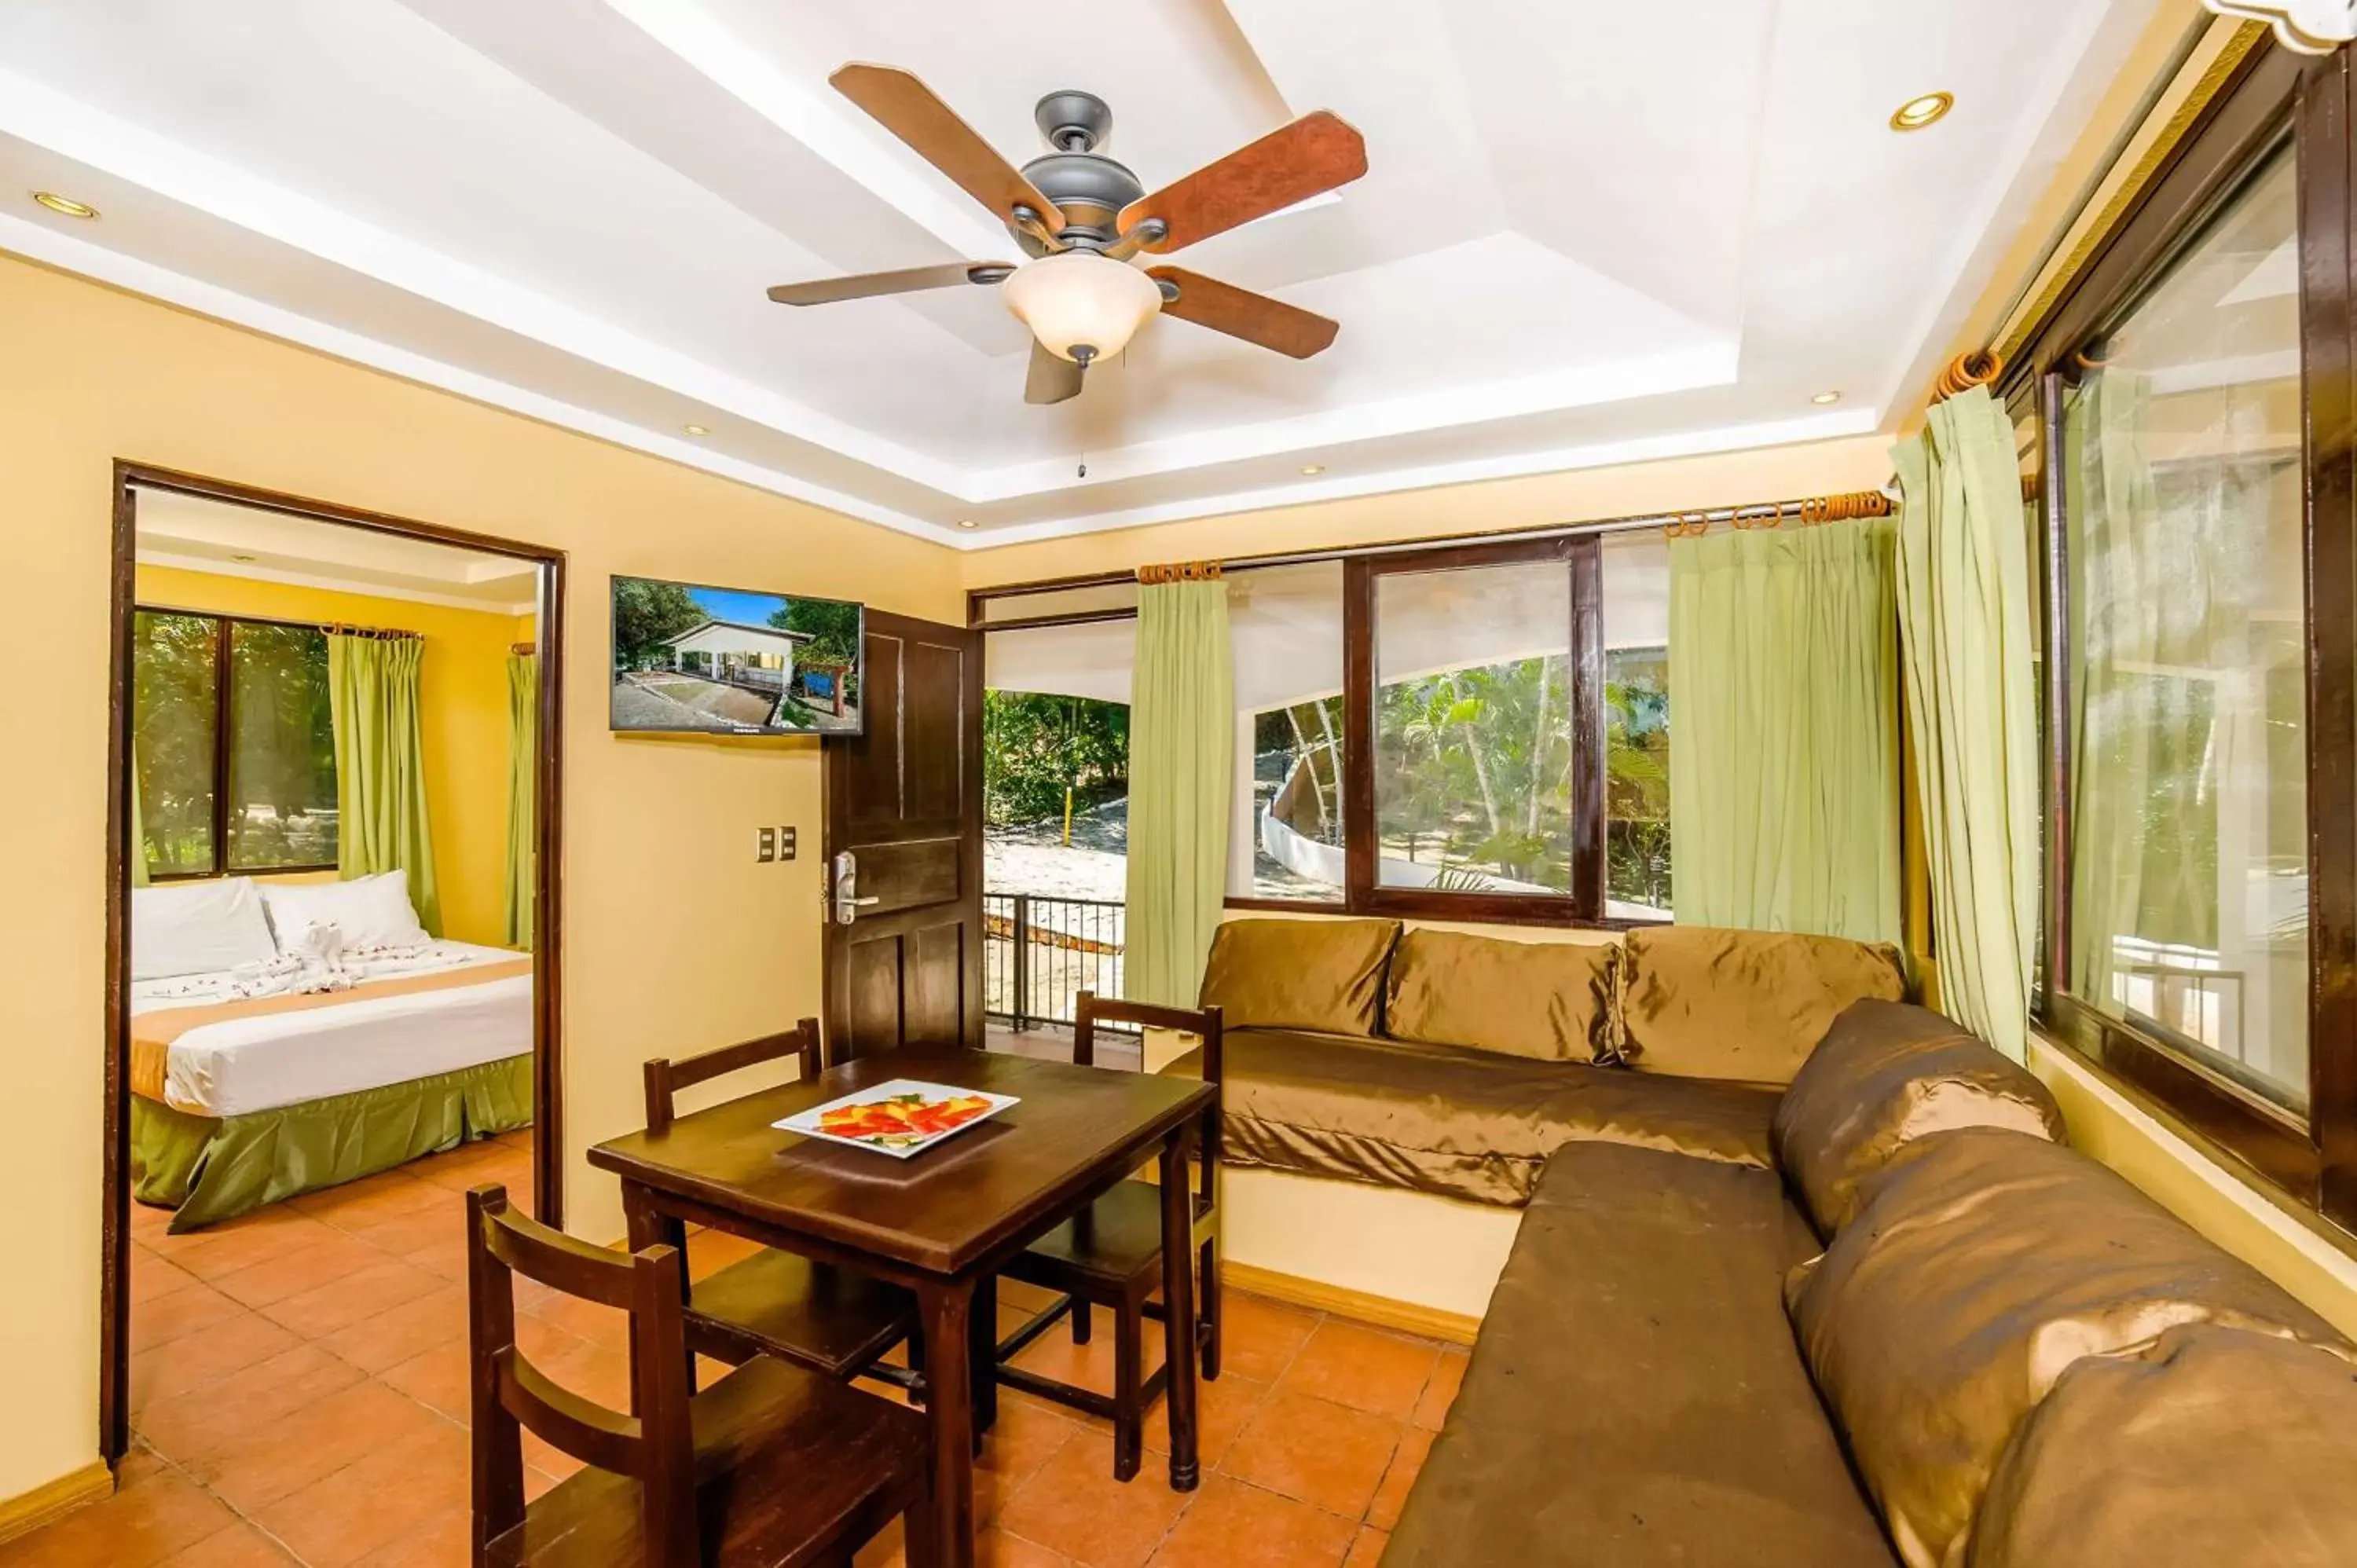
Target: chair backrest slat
(1204, 1023)
(565, 1419)
(665, 1077)
(554, 1259)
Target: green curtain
(1181, 773)
(1783, 703)
(523, 750)
(380, 768)
(1965, 633)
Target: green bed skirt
(208, 1168)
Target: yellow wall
(675, 938)
(463, 711)
(2109, 1125)
(1729, 478)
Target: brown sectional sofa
(1457, 1065)
(1871, 1313)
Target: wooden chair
(1110, 1255)
(829, 1319)
(774, 1467)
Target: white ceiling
(202, 535)
(1593, 232)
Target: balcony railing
(1040, 953)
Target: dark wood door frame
(548, 904)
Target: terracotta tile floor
(299, 1396)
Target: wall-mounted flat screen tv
(698, 661)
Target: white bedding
(240, 1066)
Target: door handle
(847, 902)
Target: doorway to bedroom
(332, 972)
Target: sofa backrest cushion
(1886, 1074)
(1702, 1001)
(1979, 1265)
(1320, 974)
(1548, 1000)
(2216, 1446)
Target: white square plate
(899, 1145)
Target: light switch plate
(785, 843)
(766, 846)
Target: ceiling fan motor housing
(1087, 186)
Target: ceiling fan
(1080, 218)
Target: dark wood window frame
(224, 742)
(2275, 97)
(1579, 557)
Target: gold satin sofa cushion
(1550, 1001)
(2218, 1446)
(1320, 974)
(1702, 1001)
(1980, 1264)
(1475, 1125)
(1886, 1075)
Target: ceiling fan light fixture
(1081, 306)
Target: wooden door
(904, 801)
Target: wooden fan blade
(907, 107)
(1240, 313)
(1315, 153)
(1051, 379)
(908, 280)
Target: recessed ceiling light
(65, 204)
(1313, 467)
(697, 429)
(1826, 397)
(240, 557)
(966, 522)
(1918, 113)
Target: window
(1472, 765)
(2202, 822)
(1284, 625)
(235, 745)
(1637, 725)
(175, 709)
(1515, 711)
(1476, 732)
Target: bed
(250, 1084)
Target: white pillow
(369, 911)
(197, 928)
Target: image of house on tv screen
(726, 660)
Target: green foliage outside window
(1473, 771)
(278, 755)
(1637, 777)
(1036, 745)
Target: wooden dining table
(941, 1221)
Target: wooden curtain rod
(381, 634)
(1181, 572)
(1839, 508)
